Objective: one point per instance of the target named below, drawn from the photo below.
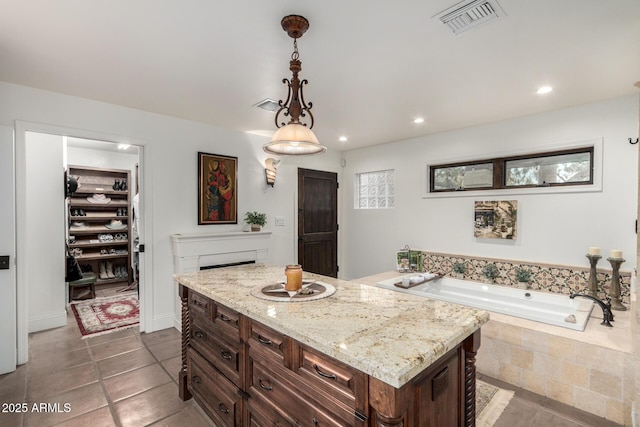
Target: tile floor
(128, 378)
(528, 409)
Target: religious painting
(217, 189)
(495, 219)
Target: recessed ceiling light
(418, 120)
(544, 89)
(342, 139)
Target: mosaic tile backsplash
(544, 277)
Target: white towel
(416, 279)
(428, 276)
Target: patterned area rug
(103, 315)
(490, 403)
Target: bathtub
(544, 307)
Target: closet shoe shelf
(99, 218)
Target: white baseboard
(159, 323)
(49, 321)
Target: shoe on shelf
(123, 185)
(109, 270)
(116, 185)
(103, 271)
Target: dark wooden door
(318, 221)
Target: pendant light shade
(294, 138)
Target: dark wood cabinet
(244, 373)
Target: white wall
(552, 228)
(170, 175)
(7, 247)
(45, 265)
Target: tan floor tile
(60, 382)
(134, 382)
(149, 407)
(59, 361)
(99, 418)
(82, 400)
(166, 350)
(116, 347)
(164, 335)
(191, 416)
(125, 362)
(116, 335)
(173, 366)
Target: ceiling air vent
(268, 104)
(469, 14)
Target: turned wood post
(183, 390)
(470, 347)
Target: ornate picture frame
(217, 189)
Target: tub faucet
(607, 315)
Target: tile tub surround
(385, 334)
(591, 370)
(544, 277)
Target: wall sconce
(270, 170)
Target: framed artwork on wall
(217, 189)
(495, 219)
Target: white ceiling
(372, 65)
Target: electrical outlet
(4, 262)
(279, 221)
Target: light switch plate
(280, 221)
(4, 262)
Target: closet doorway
(102, 217)
(42, 153)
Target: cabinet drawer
(270, 344)
(276, 385)
(263, 414)
(216, 395)
(200, 305)
(333, 378)
(223, 355)
(227, 321)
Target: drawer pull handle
(223, 408)
(225, 318)
(315, 422)
(196, 379)
(322, 374)
(264, 387)
(198, 334)
(225, 355)
(264, 340)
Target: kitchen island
(363, 356)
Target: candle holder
(592, 285)
(614, 290)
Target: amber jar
(294, 277)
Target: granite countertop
(391, 336)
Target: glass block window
(374, 190)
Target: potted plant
(256, 220)
(524, 277)
(490, 272)
(460, 269)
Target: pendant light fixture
(294, 138)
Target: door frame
(145, 189)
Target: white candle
(593, 250)
(615, 253)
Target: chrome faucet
(607, 315)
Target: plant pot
(523, 285)
(255, 227)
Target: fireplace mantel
(191, 251)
